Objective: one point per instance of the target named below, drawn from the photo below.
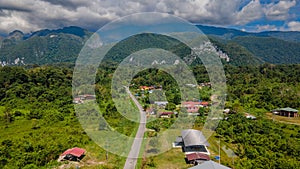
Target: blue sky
(247, 15)
(282, 15)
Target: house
(178, 142)
(73, 154)
(205, 84)
(88, 97)
(210, 165)
(288, 112)
(165, 114)
(249, 116)
(201, 85)
(193, 141)
(147, 87)
(204, 104)
(197, 158)
(77, 100)
(191, 85)
(80, 98)
(226, 111)
(151, 111)
(193, 107)
(161, 104)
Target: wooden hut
(288, 112)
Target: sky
(246, 15)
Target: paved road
(135, 148)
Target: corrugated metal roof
(178, 139)
(77, 152)
(288, 109)
(197, 156)
(193, 137)
(210, 165)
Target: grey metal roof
(178, 139)
(210, 165)
(193, 137)
(287, 109)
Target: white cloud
(218, 12)
(260, 28)
(294, 26)
(250, 12)
(31, 15)
(280, 10)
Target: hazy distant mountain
(73, 30)
(63, 45)
(271, 46)
(227, 33)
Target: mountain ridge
(229, 33)
(63, 45)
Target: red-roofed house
(191, 107)
(147, 87)
(196, 158)
(77, 100)
(204, 104)
(73, 154)
(165, 114)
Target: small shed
(288, 112)
(210, 165)
(73, 154)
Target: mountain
(229, 33)
(231, 53)
(73, 30)
(271, 49)
(287, 36)
(16, 35)
(238, 54)
(43, 47)
(274, 47)
(234, 46)
(224, 33)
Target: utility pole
(106, 152)
(219, 150)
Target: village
(192, 143)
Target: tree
(202, 111)
(8, 115)
(170, 106)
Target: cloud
(31, 15)
(280, 10)
(10, 6)
(70, 4)
(260, 28)
(294, 26)
(252, 11)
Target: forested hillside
(271, 50)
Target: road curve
(135, 148)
